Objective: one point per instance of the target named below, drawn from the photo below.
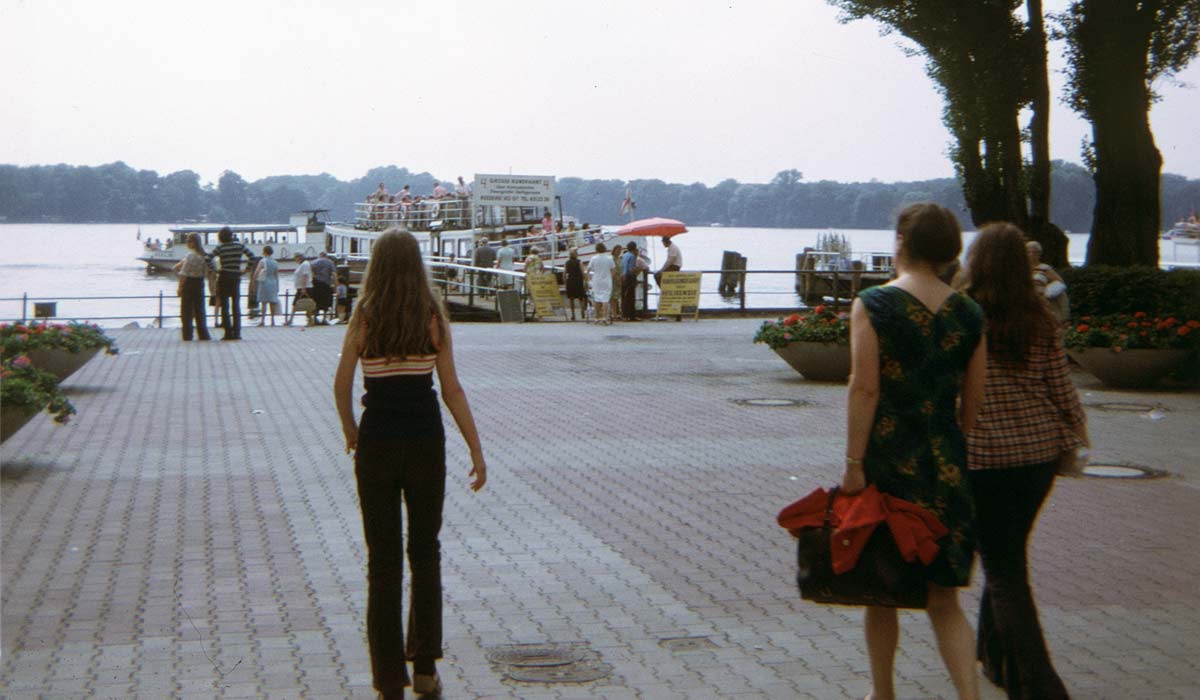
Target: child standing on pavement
(400, 334)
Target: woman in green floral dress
(916, 350)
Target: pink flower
(21, 361)
(787, 336)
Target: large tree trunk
(1054, 241)
(1125, 225)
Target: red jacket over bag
(855, 517)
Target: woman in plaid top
(1031, 416)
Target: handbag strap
(833, 492)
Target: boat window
(354, 246)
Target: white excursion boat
(1187, 229)
(492, 208)
(304, 234)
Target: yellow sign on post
(679, 294)
(543, 289)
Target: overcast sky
(682, 90)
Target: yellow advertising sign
(543, 290)
(679, 294)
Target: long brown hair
(396, 303)
(998, 277)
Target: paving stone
(630, 500)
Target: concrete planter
(61, 363)
(13, 418)
(822, 362)
(1130, 369)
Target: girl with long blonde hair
(400, 335)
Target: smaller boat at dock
(304, 234)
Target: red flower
(1184, 330)
(1140, 314)
(791, 320)
(1193, 323)
(1086, 318)
(1118, 349)
(1131, 324)
(1082, 328)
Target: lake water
(58, 261)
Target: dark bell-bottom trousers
(1010, 642)
(191, 308)
(229, 292)
(390, 471)
(629, 295)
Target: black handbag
(881, 577)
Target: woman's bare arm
(863, 395)
(343, 386)
(455, 399)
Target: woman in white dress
(600, 269)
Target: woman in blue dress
(266, 274)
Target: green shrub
(1100, 290)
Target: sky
(679, 90)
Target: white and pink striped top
(413, 365)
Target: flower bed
(1136, 331)
(820, 325)
(19, 338)
(26, 390)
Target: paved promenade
(194, 532)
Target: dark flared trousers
(191, 308)
(229, 292)
(413, 471)
(1010, 642)
(629, 282)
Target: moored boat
(491, 209)
(304, 234)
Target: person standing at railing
(574, 280)
(484, 256)
(324, 273)
(191, 289)
(602, 269)
(629, 269)
(302, 280)
(267, 276)
(229, 255)
(505, 258)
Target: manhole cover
(677, 644)
(1121, 471)
(772, 403)
(1122, 407)
(549, 663)
(535, 655)
(583, 672)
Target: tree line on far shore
(119, 193)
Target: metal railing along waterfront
(162, 307)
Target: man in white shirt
(673, 263)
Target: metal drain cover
(535, 655)
(678, 644)
(772, 403)
(1121, 471)
(1123, 407)
(549, 663)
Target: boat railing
(827, 260)
(448, 213)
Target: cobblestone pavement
(194, 532)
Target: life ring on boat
(310, 252)
(283, 253)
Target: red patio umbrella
(652, 227)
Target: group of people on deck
(388, 209)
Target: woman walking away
(575, 289)
(916, 348)
(267, 276)
(400, 334)
(1031, 416)
(191, 289)
(601, 267)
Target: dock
(194, 531)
